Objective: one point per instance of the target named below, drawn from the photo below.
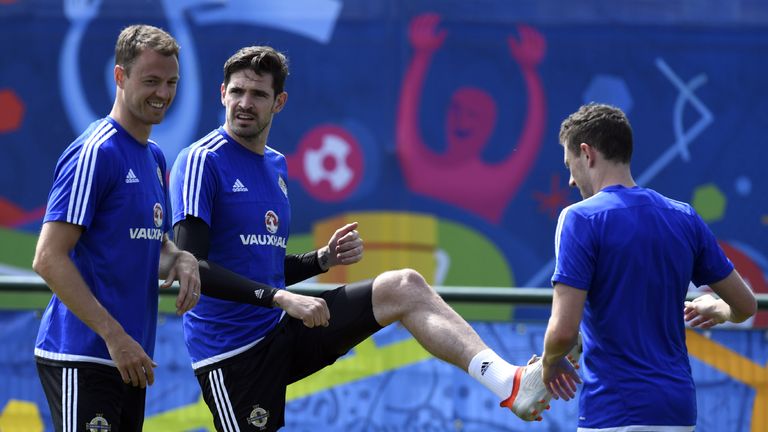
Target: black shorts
(90, 397)
(247, 392)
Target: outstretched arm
(53, 264)
(529, 51)
(425, 39)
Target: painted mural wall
(434, 124)
(389, 383)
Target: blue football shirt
(243, 197)
(113, 186)
(635, 252)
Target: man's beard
(250, 133)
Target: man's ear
(280, 101)
(589, 152)
(223, 93)
(120, 75)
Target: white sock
(493, 372)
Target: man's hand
(706, 311)
(312, 311)
(134, 365)
(345, 247)
(560, 378)
(424, 34)
(529, 48)
(185, 270)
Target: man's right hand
(529, 48)
(560, 379)
(424, 34)
(312, 311)
(134, 365)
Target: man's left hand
(345, 246)
(185, 270)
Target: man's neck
(255, 145)
(139, 132)
(615, 175)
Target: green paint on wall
(17, 248)
(709, 202)
(475, 261)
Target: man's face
(250, 103)
(577, 165)
(470, 120)
(150, 86)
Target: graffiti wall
(434, 124)
(389, 383)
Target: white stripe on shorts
(223, 405)
(69, 399)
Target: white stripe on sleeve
(195, 167)
(86, 164)
(97, 133)
(558, 232)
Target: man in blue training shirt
(249, 337)
(103, 246)
(625, 257)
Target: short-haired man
(248, 337)
(625, 257)
(103, 246)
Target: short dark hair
(136, 38)
(262, 60)
(604, 127)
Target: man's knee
(399, 285)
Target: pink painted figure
(458, 176)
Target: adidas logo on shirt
(239, 186)
(131, 177)
(484, 367)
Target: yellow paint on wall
(737, 367)
(392, 240)
(20, 416)
(184, 418)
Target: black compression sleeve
(301, 267)
(193, 234)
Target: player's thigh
(352, 321)
(83, 396)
